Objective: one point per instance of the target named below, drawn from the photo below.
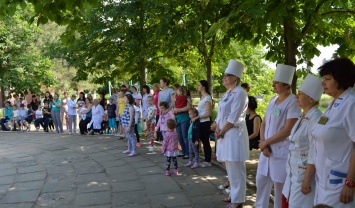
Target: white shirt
(275, 119)
(15, 113)
(298, 154)
(232, 108)
(333, 148)
(39, 114)
(71, 107)
(202, 110)
(136, 115)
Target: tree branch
(308, 23)
(338, 11)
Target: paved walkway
(61, 170)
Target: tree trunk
(141, 67)
(209, 74)
(2, 95)
(290, 50)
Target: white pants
(237, 179)
(263, 191)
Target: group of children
(166, 124)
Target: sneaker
(69, 132)
(185, 157)
(194, 166)
(133, 153)
(205, 164)
(167, 173)
(151, 149)
(138, 144)
(176, 172)
(126, 151)
(188, 164)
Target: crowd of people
(306, 155)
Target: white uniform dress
(233, 149)
(273, 169)
(97, 113)
(334, 145)
(235, 144)
(298, 154)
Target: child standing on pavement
(137, 117)
(170, 147)
(193, 136)
(128, 125)
(151, 121)
(165, 115)
(111, 112)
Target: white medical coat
(299, 151)
(235, 144)
(334, 145)
(275, 119)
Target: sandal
(227, 199)
(224, 186)
(231, 205)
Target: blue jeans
(131, 141)
(182, 130)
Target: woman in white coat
(308, 96)
(281, 115)
(97, 114)
(232, 133)
(334, 138)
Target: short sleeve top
(202, 110)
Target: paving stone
(125, 186)
(94, 187)
(31, 169)
(4, 180)
(170, 200)
(118, 171)
(18, 205)
(6, 166)
(92, 177)
(31, 177)
(60, 186)
(113, 163)
(21, 196)
(22, 159)
(4, 189)
(90, 199)
(150, 170)
(130, 176)
(7, 172)
(57, 199)
(130, 199)
(33, 185)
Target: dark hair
(88, 99)
(147, 88)
(342, 70)
(176, 85)
(171, 124)
(164, 104)
(33, 96)
(29, 106)
(82, 93)
(204, 84)
(130, 98)
(194, 110)
(123, 90)
(252, 104)
(165, 80)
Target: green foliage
(291, 30)
(22, 67)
